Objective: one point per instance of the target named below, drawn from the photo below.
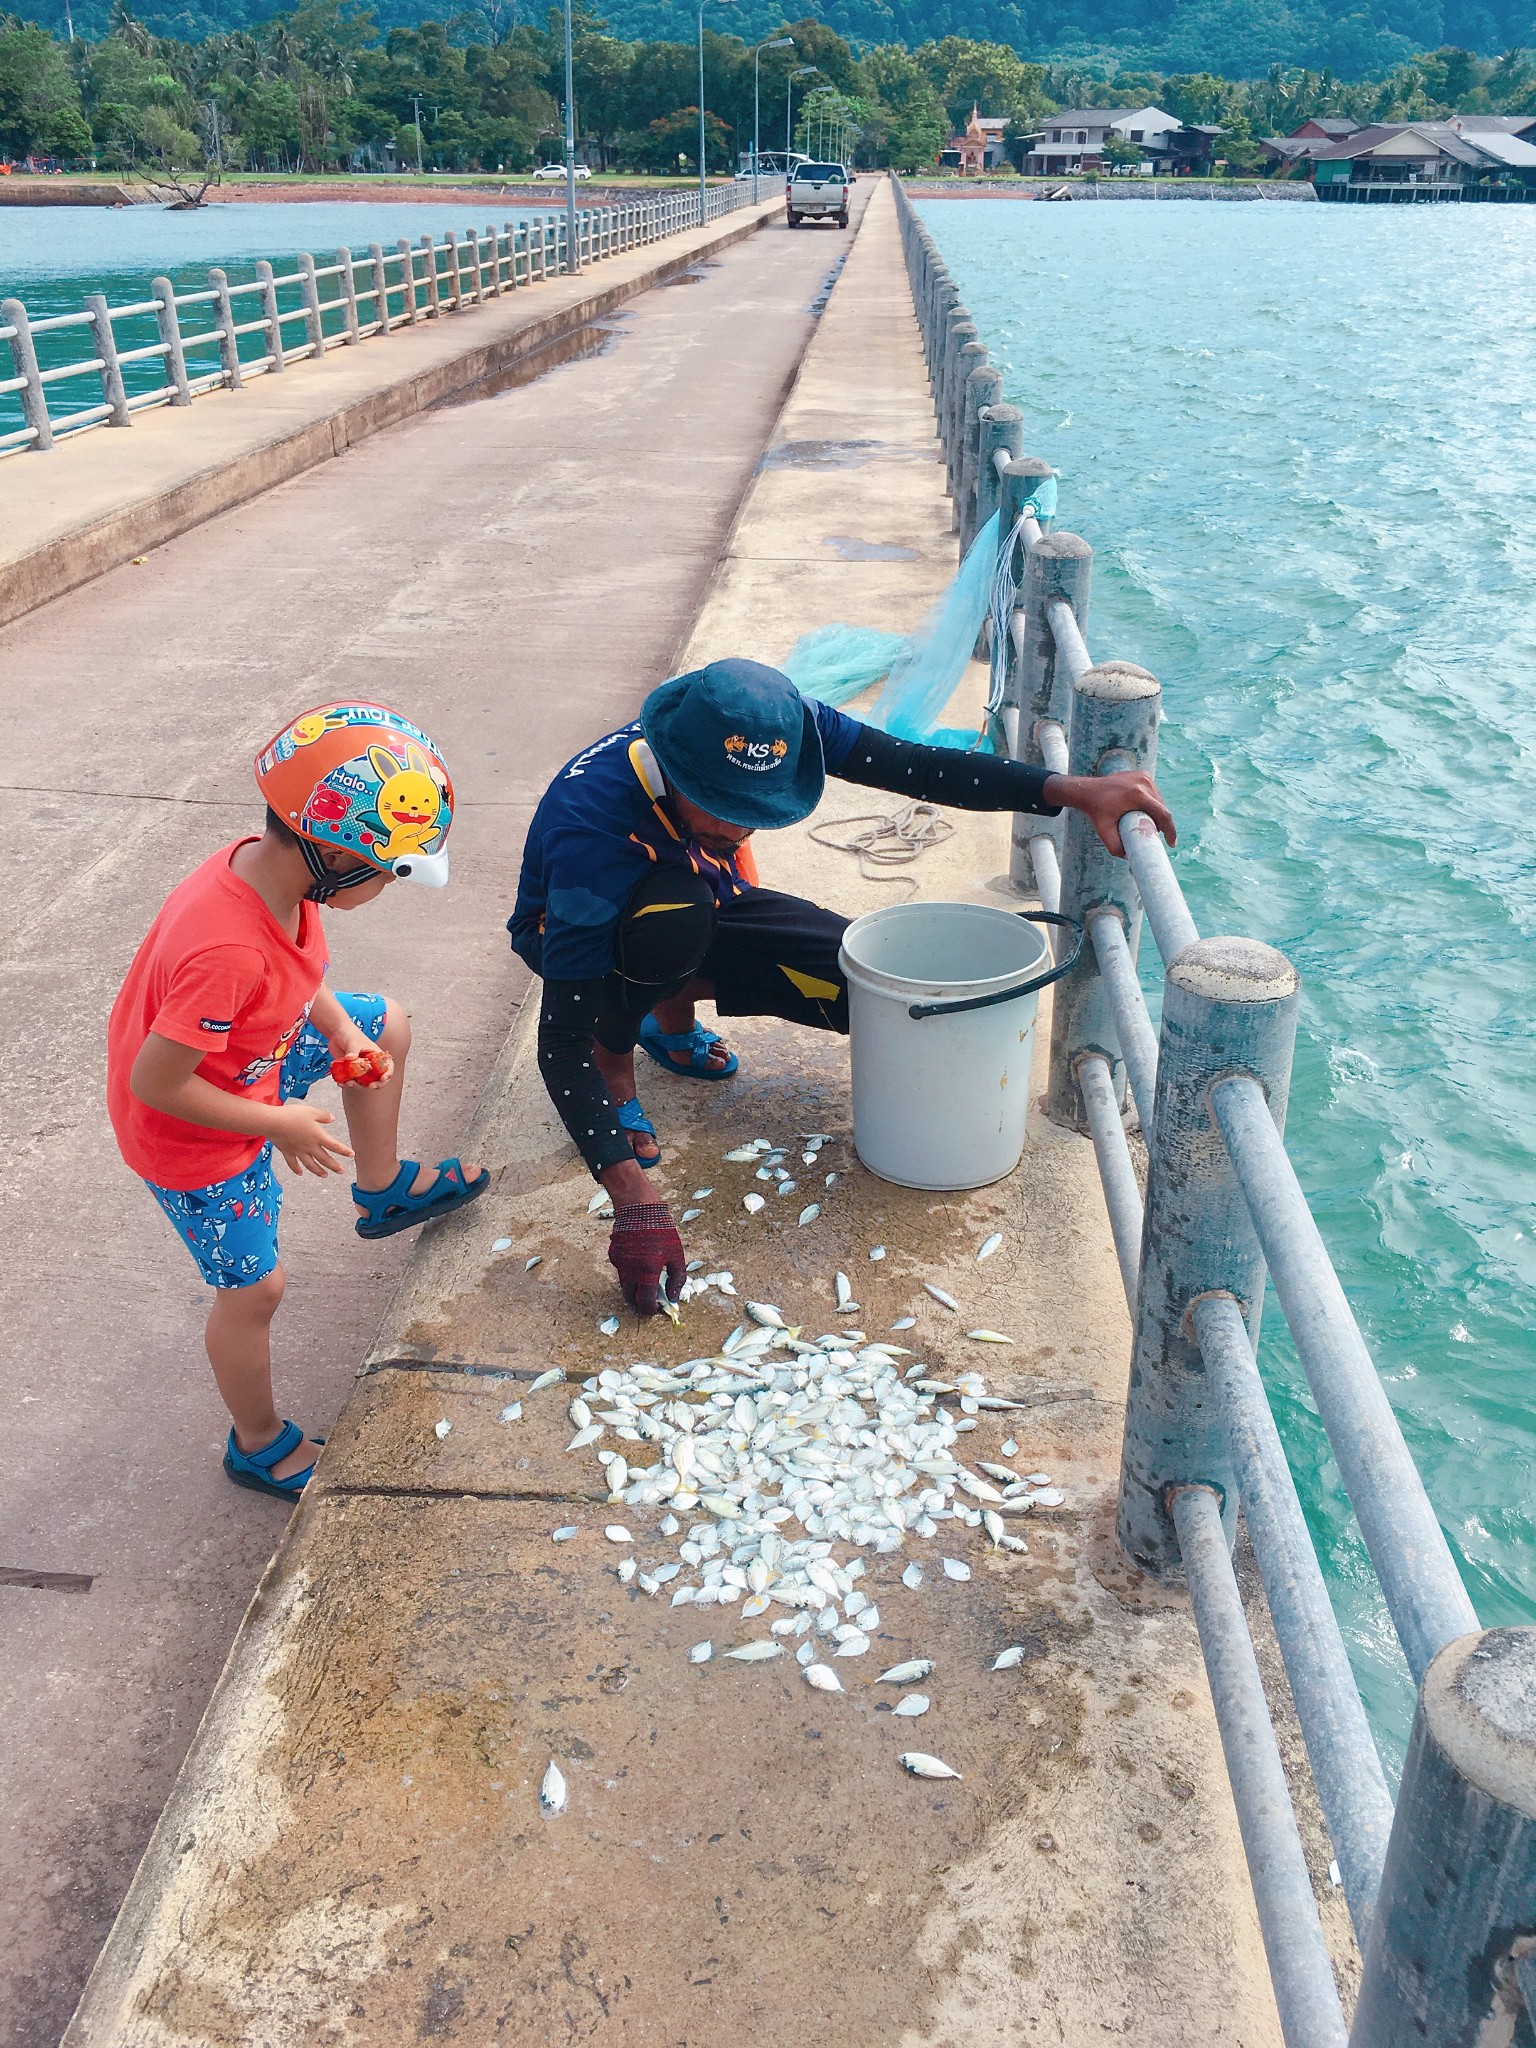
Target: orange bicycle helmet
(364, 780)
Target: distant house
(1075, 139)
(980, 147)
(1455, 159)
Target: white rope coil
(882, 841)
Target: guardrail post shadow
(224, 320)
(1455, 1919)
(348, 286)
(1114, 726)
(112, 389)
(1060, 565)
(983, 388)
(309, 287)
(34, 402)
(271, 313)
(163, 292)
(1229, 1006)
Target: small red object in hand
(365, 1069)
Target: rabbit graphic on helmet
(408, 807)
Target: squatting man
(638, 899)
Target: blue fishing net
(920, 670)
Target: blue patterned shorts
(230, 1226)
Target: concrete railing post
(1229, 1006)
(348, 287)
(455, 271)
(476, 268)
(494, 244)
(1114, 726)
(1456, 1912)
(34, 404)
(956, 327)
(1060, 565)
(967, 354)
(271, 312)
(983, 388)
(430, 280)
(1002, 433)
(408, 281)
(112, 388)
(163, 292)
(224, 321)
(380, 286)
(309, 288)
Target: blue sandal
(633, 1118)
(696, 1043)
(396, 1208)
(254, 1469)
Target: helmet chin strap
(328, 885)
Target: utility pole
(775, 43)
(571, 263)
(416, 102)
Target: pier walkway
(516, 570)
(355, 1852)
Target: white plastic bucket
(939, 1101)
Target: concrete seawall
(85, 506)
(354, 1850)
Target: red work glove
(647, 1253)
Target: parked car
(550, 174)
(817, 192)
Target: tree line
(319, 87)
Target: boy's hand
(298, 1131)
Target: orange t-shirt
(216, 971)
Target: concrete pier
(354, 1849)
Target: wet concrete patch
(592, 340)
(849, 548)
(695, 275)
(838, 454)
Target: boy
(224, 1023)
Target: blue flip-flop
(253, 1469)
(396, 1208)
(633, 1118)
(696, 1043)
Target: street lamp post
(416, 102)
(774, 43)
(805, 71)
(572, 262)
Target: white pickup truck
(817, 192)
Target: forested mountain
(1233, 38)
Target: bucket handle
(1020, 988)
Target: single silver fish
(905, 1323)
(912, 1705)
(944, 1300)
(547, 1379)
(906, 1674)
(513, 1412)
(754, 1653)
(912, 1577)
(502, 1244)
(617, 1533)
(988, 1337)
(823, 1678)
(586, 1436)
(954, 1569)
(877, 1253)
(689, 1214)
(752, 1203)
(990, 1246)
(1047, 1497)
(536, 1260)
(579, 1413)
(809, 1214)
(441, 1429)
(609, 1326)
(701, 1653)
(742, 1155)
(765, 1314)
(600, 1201)
(625, 1570)
(564, 1535)
(922, 1766)
(701, 1194)
(1009, 1448)
(1007, 1659)
(552, 1791)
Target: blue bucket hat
(737, 739)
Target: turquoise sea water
(1302, 441)
(51, 257)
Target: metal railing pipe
(1299, 1966)
(1229, 1005)
(1457, 1911)
(1128, 1008)
(113, 389)
(1114, 726)
(170, 334)
(1162, 899)
(1345, 1766)
(1061, 566)
(1422, 1587)
(1122, 1195)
